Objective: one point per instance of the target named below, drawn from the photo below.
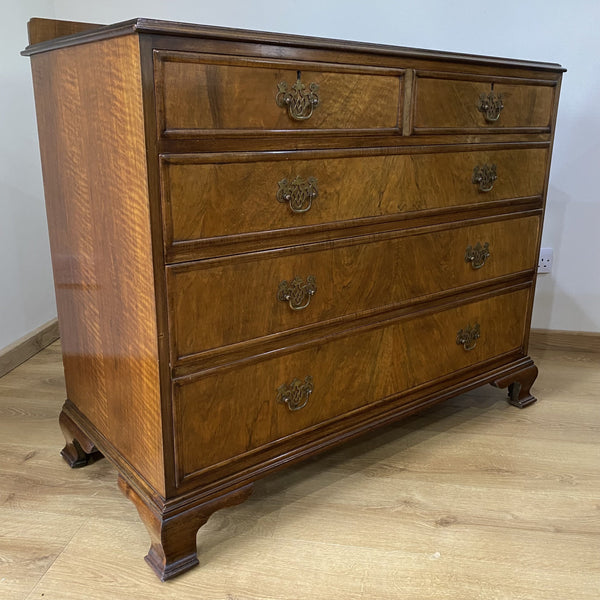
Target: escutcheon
(467, 338)
(295, 394)
(477, 255)
(300, 102)
(298, 193)
(297, 293)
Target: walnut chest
(264, 245)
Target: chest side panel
(93, 152)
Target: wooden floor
(473, 500)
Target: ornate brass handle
(300, 102)
(299, 193)
(295, 394)
(484, 176)
(477, 255)
(467, 338)
(297, 293)
(490, 105)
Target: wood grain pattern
(205, 92)
(189, 33)
(348, 374)
(93, 157)
(43, 30)
(525, 106)
(138, 127)
(173, 538)
(353, 276)
(29, 544)
(513, 482)
(203, 194)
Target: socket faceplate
(545, 261)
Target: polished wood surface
(345, 377)
(171, 153)
(204, 92)
(203, 193)
(91, 134)
(453, 104)
(262, 40)
(79, 450)
(44, 30)
(469, 499)
(173, 539)
(519, 386)
(354, 276)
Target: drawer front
(230, 195)
(266, 293)
(457, 104)
(197, 92)
(250, 406)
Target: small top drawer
(446, 104)
(198, 93)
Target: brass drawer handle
(295, 394)
(467, 338)
(477, 255)
(299, 193)
(490, 105)
(297, 293)
(300, 102)
(484, 176)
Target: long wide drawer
(203, 92)
(446, 104)
(210, 196)
(264, 293)
(234, 411)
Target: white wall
(26, 292)
(556, 31)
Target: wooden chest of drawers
(264, 245)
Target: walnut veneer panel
(204, 194)
(205, 92)
(453, 104)
(354, 276)
(389, 359)
(92, 143)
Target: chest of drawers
(265, 245)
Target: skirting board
(577, 341)
(21, 350)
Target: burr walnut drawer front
(251, 406)
(206, 197)
(203, 92)
(266, 293)
(442, 103)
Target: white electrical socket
(545, 260)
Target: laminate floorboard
(473, 499)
